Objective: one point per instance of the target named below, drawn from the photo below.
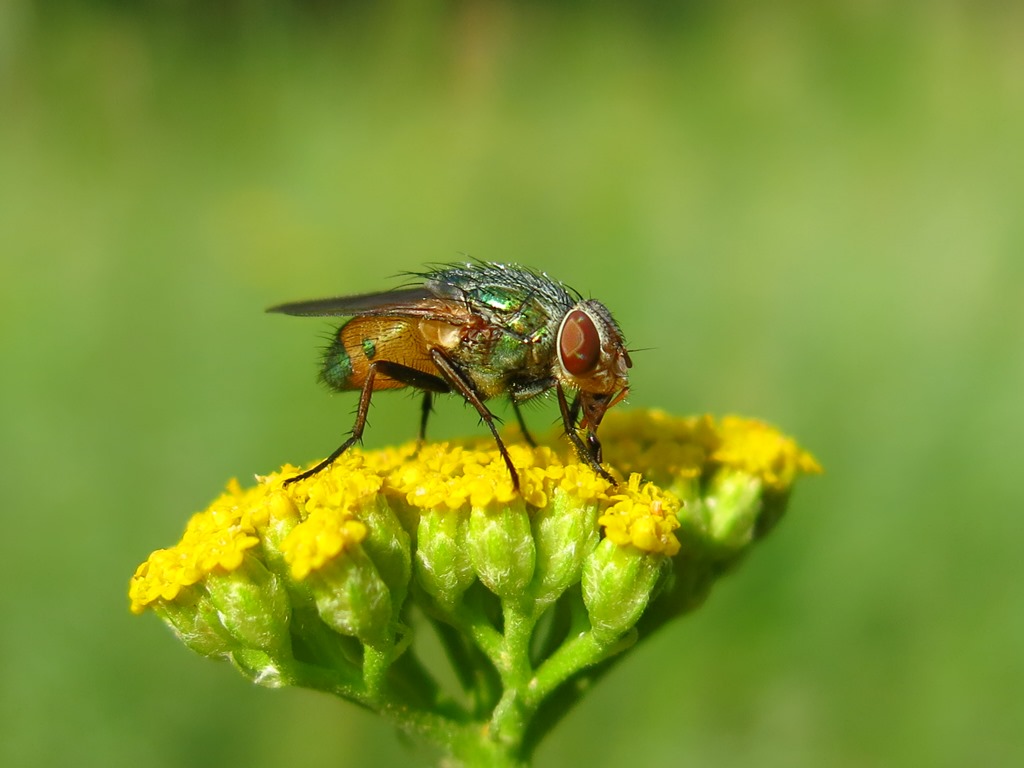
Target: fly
(481, 330)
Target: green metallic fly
(482, 330)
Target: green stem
(578, 653)
(375, 666)
(428, 727)
(486, 637)
(562, 696)
(511, 717)
(474, 750)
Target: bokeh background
(810, 213)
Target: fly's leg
(357, 428)
(428, 404)
(590, 452)
(593, 444)
(411, 377)
(457, 379)
(522, 425)
(574, 411)
(417, 379)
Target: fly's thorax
(472, 346)
(504, 293)
(499, 361)
(508, 300)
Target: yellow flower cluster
(753, 447)
(661, 447)
(665, 448)
(318, 518)
(216, 538)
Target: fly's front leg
(589, 452)
(574, 410)
(593, 444)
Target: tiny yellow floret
(642, 516)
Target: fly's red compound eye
(579, 343)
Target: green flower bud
(352, 598)
(501, 547)
(565, 533)
(734, 502)
(252, 607)
(230, 612)
(388, 546)
(443, 566)
(327, 556)
(194, 621)
(261, 668)
(618, 582)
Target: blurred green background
(811, 214)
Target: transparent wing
(405, 302)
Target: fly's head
(592, 359)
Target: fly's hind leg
(357, 428)
(401, 373)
